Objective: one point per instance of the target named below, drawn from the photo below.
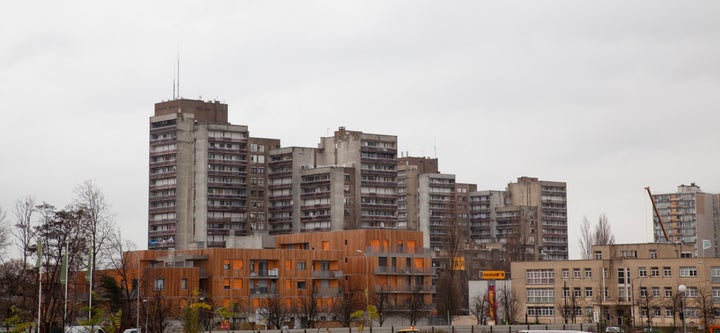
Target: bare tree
(121, 264)
(509, 303)
(704, 303)
(416, 306)
(309, 307)
(4, 234)
(479, 308)
(587, 239)
(23, 232)
(603, 235)
(99, 219)
(345, 304)
(278, 309)
(382, 305)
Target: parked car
(613, 329)
(84, 329)
(131, 330)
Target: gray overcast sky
(608, 96)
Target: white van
(84, 329)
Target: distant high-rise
(529, 218)
(373, 158)
(690, 217)
(198, 188)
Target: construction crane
(657, 213)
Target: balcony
(266, 274)
(404, 289)
(338, 274)
(263, 292)
(402, 271)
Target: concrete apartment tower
(257, 189)
(284, 187)
(198, 176)
(373, 157)
(528, 220)
(547, 201)
(409, 171)
(691, 218)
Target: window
(541, 311)
(607, 293)
(301, 285)
(669, 312)
(656, 292)
(716, 295)
(542, 295)
(668, 292)
(159, 284)
(576, 273)
(540, 276)
(628, 254)
(656, 311)
(226, 264)
(688, 271)
(642, 272)
(654, 272)
(226, 284)
(183, 283)
(301, 266)
(653, 254)
(643, 292)
(566, 292)
(237, 264)
(588, 273)
(691, 292)
(598, 255)
(715, 274)
(667, 272)
(577, 292)
(588, 292)
(565, 273)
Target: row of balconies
(384, 270)
(404, 289)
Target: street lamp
(565, 296)
(682, 289)
(145, 302)
(367, 286)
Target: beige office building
(623, 285)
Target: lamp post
(145, 302)
(682, 289)
(367, 286)
(565, 296)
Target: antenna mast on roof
(178, 72)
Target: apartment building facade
(374, 160)
(257, 185)
(623, 285)
(191, 206)
(320, 267)
(691, 217)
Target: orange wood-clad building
(328, 262)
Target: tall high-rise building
(690, 217)
(284, 188)
(374, 160)
(549, 199)
(409, 170)
(197, 188)
(529, 219)
(437, 214)
(257, 189)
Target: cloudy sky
(608, 96)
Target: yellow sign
(493, 275)
(458, 264)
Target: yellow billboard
(493, 275)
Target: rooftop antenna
(435, 147)
(178, 72)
